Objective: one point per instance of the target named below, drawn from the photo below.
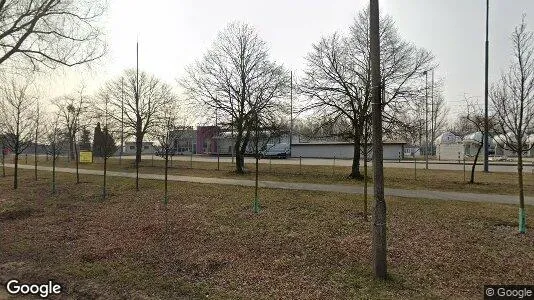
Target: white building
(449, 146)
(343, 150)
(130, 148)
(501, 149)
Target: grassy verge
(207, 241)
(446, 180)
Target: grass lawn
(207, 241)
(445, 180)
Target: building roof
(343, 143)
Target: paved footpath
(426, 194)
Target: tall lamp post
(486, 126)
(426, 119)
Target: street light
(426, 118)
(486, 125)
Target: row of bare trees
(511, 114)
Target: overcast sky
(174, 33)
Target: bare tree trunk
(54, 156)
(239, 158)
(472, 180)
(241, 147)
(16, 173)
(379, 222)
(3, 160)
(165, 198)
(71, 146)
(522, 217)
(138, 148)
(77, 157)
(365, 179)
(35, 146)
(355, 172)
(104, 193)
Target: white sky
(174, 33)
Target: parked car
(281, 150)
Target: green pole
(522, 220)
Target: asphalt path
(425, 194)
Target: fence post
(270, 163)
(399, 156)
(334, 166)
(458, 157)
(415, 166)
(464, 168)
(300, 163)
(218, 159)
(191, 160)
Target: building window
(145, 147)
(132, 147)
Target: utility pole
(291, 113)
(486, 125)
(379, 217)
(122, 121)
(426, 119)
(432, 116)
(137, 110)
(232, 134)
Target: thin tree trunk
(138, 146)
(3, 161)
(71, 147)
(16, 171)
(472, 180)
(35, 147)
(166, 199)
(104, 193)
(54, 155)
(365, 179)
(77, 157)
(522, 217)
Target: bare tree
(166, 133)
(237, 78)
(140, 111)
(51, 32)
(473, 121)
(55, 145)
(38, 117)
(338, 76)
(16, 115)
(72, 110)
(513, 102)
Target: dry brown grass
(207, 241)
(445, 180)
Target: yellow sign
(86, 157)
